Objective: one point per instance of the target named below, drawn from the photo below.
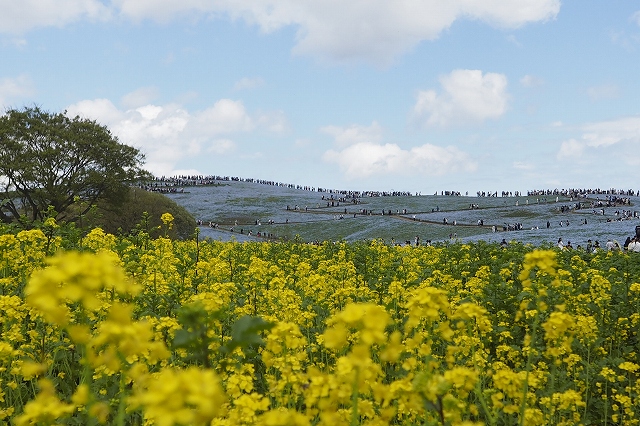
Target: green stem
(121, 403)
(525, 389)
(354, 400)
(492, 420)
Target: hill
(242, 209)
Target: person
(503, 243)
(610, 245)
(560, 244)
(634, 245)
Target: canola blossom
(130, 330)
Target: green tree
(49, 159)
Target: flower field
(128, 330)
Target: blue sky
(417, 95)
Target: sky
(410, 95)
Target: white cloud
(607, 133)
(337, 30)
(636, 18)
(168, 133)
(274, 121)
(15, 89)
(468, 95)
(522, 165)
(606, 91)
(531, 81)
(221, 146)
(570, 149)
(225, 116)
(365, 159)
(20, 16)
(140, 97)
(247, 83)
(353, 134)
(603, 135)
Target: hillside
(284, 212)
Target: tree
(51, 161)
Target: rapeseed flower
(172, 396)
(46, 408)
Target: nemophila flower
(172, 396)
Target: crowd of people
(631, 244)
(596, 199)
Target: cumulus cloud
(20, 16)
(531, 81)
(139, 97)
(570, 149)
(467, 96)
(602, 135)
(14, 89)
(365, 159)
(337, 30)
(360, 153)
(328, 29)
(606, 133)
(353, 134)
(168, 133)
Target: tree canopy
(49, 160)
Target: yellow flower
(557, 326)
(184, 397)
(75, 277)
(283, 417)
(167, 219)
(629, 366)
(46, 408)
(30, 369)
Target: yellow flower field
(129, 330)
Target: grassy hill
(138, 205)
(284, 213)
